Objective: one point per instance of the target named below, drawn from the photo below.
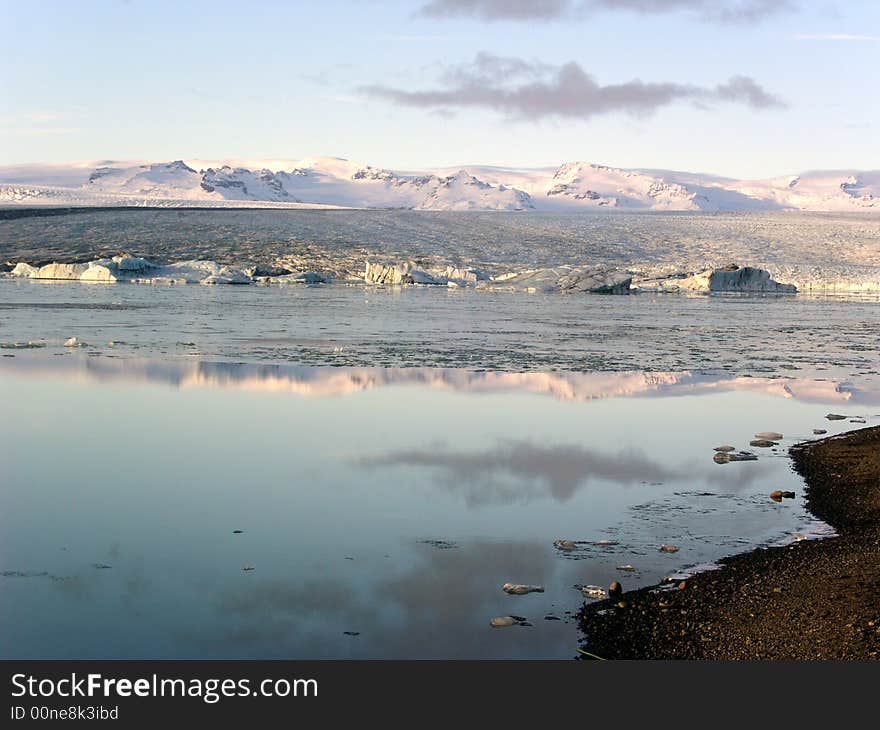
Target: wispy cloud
(837, 37)
(721, 11)
(533, 90)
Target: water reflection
(379, 524)
(326, 381)
(438, 607)
(521, 470)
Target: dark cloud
(723, 11)
(533, 90)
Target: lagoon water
(381, 510)
(354, 325)
(392, 457)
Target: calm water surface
(381, 510)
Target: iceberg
(730, 278)
(746, 279)
(228, 275)
(23, 269)
(404, 273)
(124, 262)
(305, 277)
(575, 279)
(60, 271)
(99, 272)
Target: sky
(745, 88)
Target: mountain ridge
(342, 183)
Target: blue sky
(386, 84)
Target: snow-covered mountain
(330, 181)
(177, 180)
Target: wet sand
(809, 600)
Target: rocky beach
(808, 600)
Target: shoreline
(815, 599)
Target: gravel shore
(809, 600)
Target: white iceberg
(99, 272)
(23, 269)
(124, 262)
(61, 271)
(228, 275)
(730, 278)
(405, 273)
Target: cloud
(837, 37)
(722, 11)
(534, 90)
(498, 9)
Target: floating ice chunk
(748, 279)
(190, 272)
(228, 275)
(306, 277)
(457, 276)
(731, 278)
(564, 544)
(23, 269)
(99, 273)
(261, 271)
(501, 622)
(29, 345)
(124, 262)
(518, 589)
(594, 592)
(73, 342)
(664, 548)
(404, 273)
(61, 271)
